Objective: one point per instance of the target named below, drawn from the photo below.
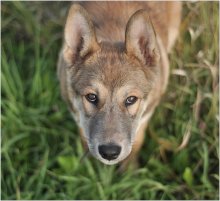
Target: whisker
(84, 156)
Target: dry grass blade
(186, 137)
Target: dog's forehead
(115, 69)
(112, 67)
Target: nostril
(109, 151)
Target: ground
(41, 150)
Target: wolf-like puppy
(113, 69)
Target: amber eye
(130, 100)
(92, 98)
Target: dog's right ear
(79, 35)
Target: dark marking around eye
(130, 100)
(92, 98)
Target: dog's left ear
(140, 39)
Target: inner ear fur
(79, 35)
(140, 39)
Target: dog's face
(108, 83)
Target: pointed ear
(79, 35)
(140, 39)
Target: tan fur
(132, 158)
(117, 65)
(164, 15)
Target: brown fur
(103, 57)
(109, 16)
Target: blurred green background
(41, 149)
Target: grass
(41, 149)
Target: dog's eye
(130, 100)
(92, 98)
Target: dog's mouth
(112, 162)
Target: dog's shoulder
(110, 18)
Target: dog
(113, 70)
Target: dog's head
(108, 83)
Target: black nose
(109, 151)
